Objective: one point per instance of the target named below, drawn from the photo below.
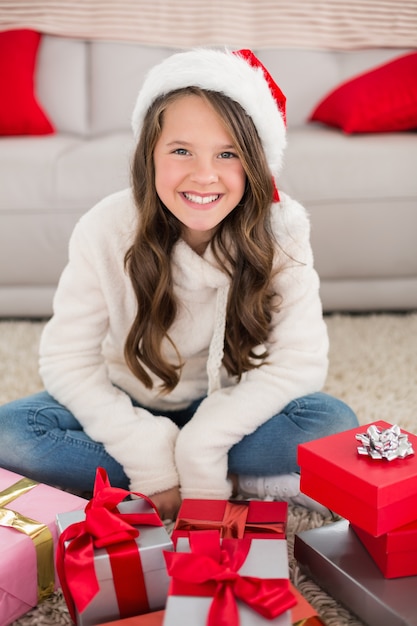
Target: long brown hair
(243, 246)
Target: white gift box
(267, 558)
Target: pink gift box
(376, 495)
(18, 565)
(395, 553)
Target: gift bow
(389, 443)
(104, 527)
(211, 569)
(234, 523)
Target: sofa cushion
(323, 165)
(93, 169)
(306, 76)
(61, 172)
(20, 111)
(117, 73)
(303, 75)
(63, 83)
(361, 193)
(28, 172)
(383, 99)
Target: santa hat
(238, 75)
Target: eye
(181, 151)
(227, 155)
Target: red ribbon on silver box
(104, 527)
(211, 569)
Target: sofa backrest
(90, 87)
(62, 83)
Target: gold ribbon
(39, 533)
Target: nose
(204, 172)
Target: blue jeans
(41, 439)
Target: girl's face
(198, 175)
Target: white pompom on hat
(238, 75)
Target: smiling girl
(187, 349)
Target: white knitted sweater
(81, 352)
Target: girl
(187, 348)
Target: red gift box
(395, 553)
(376, 495)
(235, 519)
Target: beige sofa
(361, 190)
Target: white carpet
(373, 367)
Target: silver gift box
(334, 557)
(267, 558)
(152, 542)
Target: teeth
(201, 199)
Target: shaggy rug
(373, 367)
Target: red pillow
(383, 99)
(20, 112)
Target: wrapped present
(228, 581)
(110, 558)
(395, 553)
(376, 494)
(28, 538)
(302, 614)
(233, 518)
(335, 558)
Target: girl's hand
(167, 502)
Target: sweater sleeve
(74, 369)
(296, 366)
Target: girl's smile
(202, 200)
(198, 174)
